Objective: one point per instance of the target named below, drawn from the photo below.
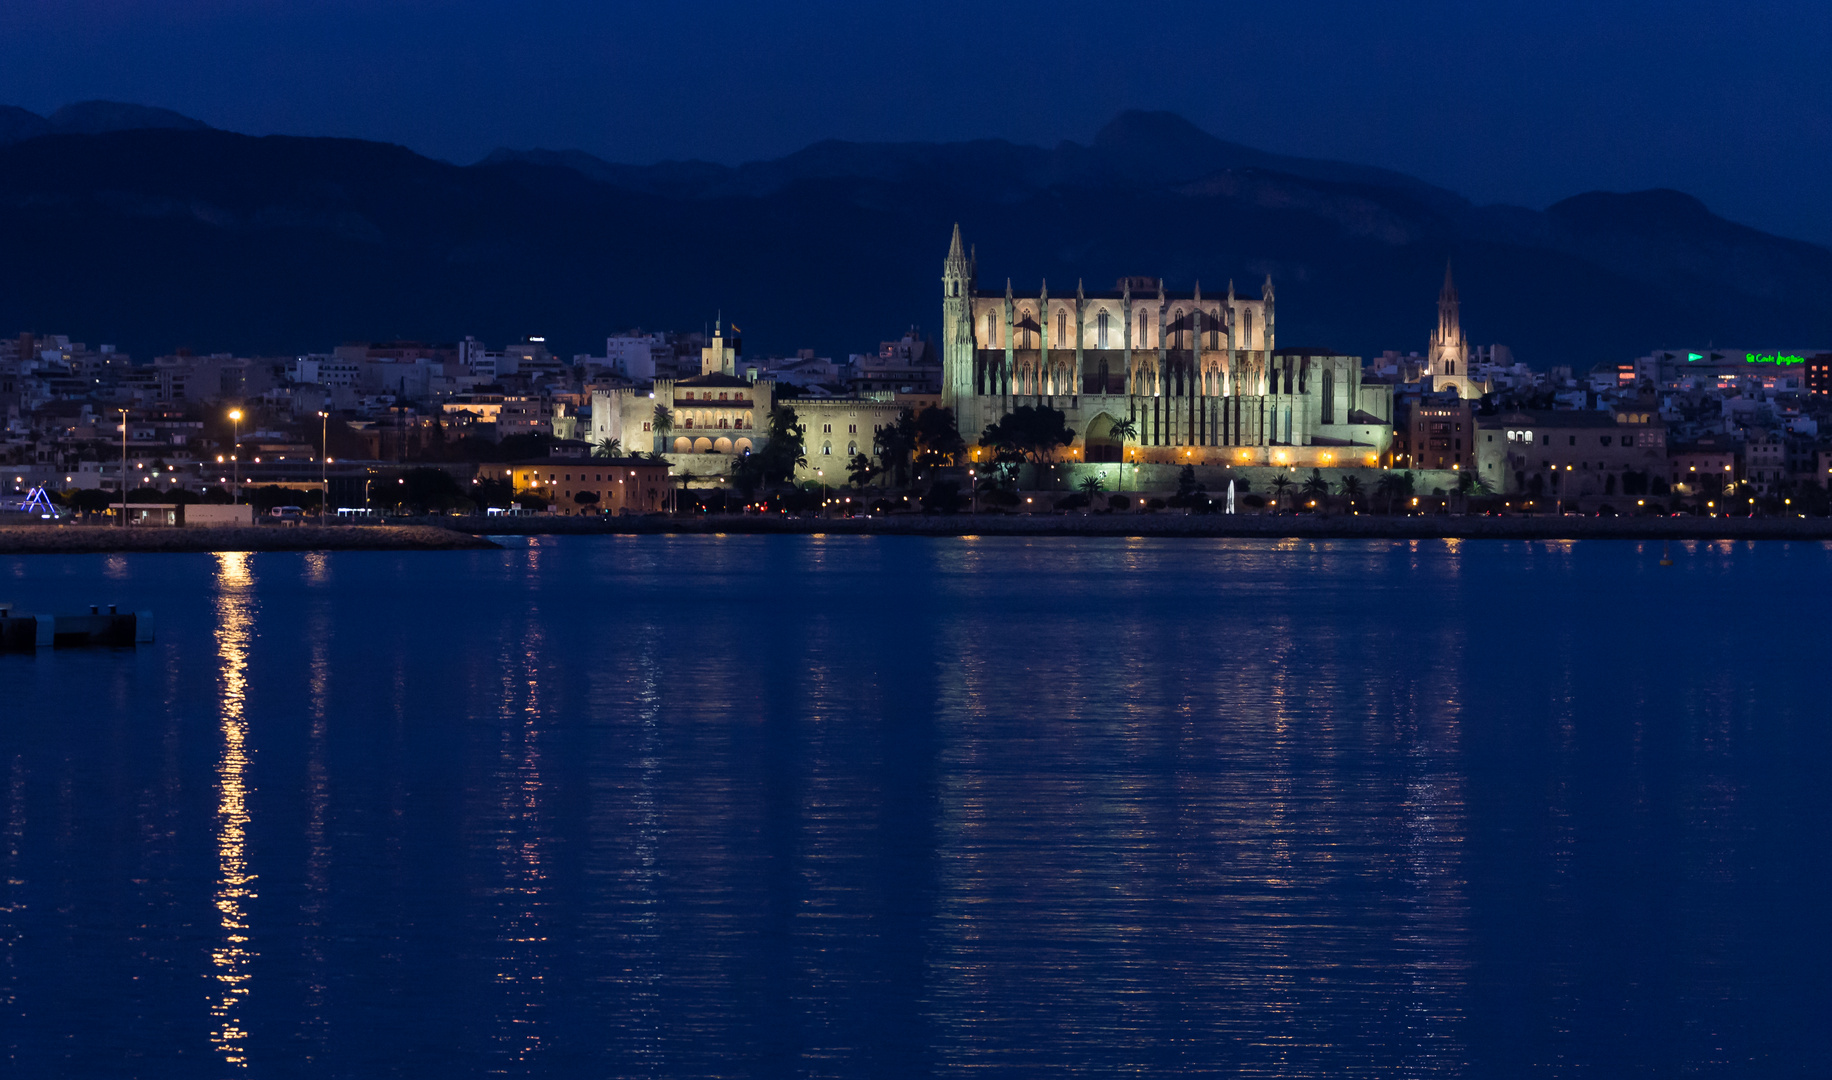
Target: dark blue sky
(1510, 102)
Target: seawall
(81, 539)
(1270, 527)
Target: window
(1574, 439)
(1062, 327)
(826, 429)
(722, 397)
(1100, 330)
(827, 448)
(852, 429)
(1606, 441)
(645, 424)
(1142, 330)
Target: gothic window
(992, 331)
(1062, 328)
(1178, 329)
(1143, 325)
(1100, 330)
(1246, 329)
(1215, 333)
(827, 448)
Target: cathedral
(1199, 380)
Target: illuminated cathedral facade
(1200, 379)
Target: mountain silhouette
(131, 227)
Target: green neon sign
(1773, 358)
(1691, 356)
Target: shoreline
(102, 539)
(1240, 526)
(471, 534)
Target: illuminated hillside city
(1129, 397)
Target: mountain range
(153, 231)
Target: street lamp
(235, 451)
(123, 520)
(324, 464)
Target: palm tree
(1317, 487)
(1279, 484)
(1388, 487)
(664, 425)
(1092, 486)
(609, 448)
(1123, 430)
(1351, 489)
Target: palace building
(1201, 379)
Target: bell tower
(957, 283)
(1449, 355)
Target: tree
(783, 453)
(663, 423)
(1029, 433)
(938, 439)
(586, 498)
(896, 444)
(1190, 493)
(523, 447)
(1388, 488)
(1092, 486)
(861, 469)
(1121, 431)
(1351, 490)
(608, 448)
(944, 497)
(1279, 484)
(1317, 488)
(1118, 503)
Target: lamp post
(123, 520)
(823, 475)
(324, 465)
(235, 452)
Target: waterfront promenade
(1266, 526)
(456, 533)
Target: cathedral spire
(954, 248)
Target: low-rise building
(1571, 454)
(608, 485)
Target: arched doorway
(722, 445)
(683, 445)
(702, 445)
(743, 446)
(1099, 444)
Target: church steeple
(1449, 355)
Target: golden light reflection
(232, 957)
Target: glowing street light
(235, 451)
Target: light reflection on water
(694, 806)
(232, 957)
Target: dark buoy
(1666, 554)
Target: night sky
(1509, 102)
